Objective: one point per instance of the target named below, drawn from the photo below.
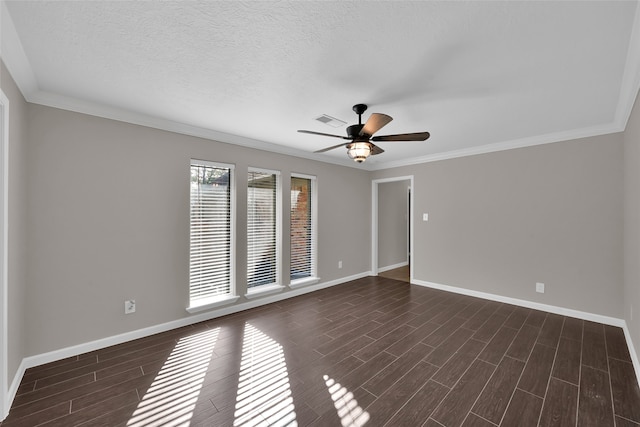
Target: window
(303, 229)
(263, 228)
(212, 234)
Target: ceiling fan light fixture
(361, 135)
(359, 151)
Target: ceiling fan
(360, 136)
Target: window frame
(231, 296)
(313, 278)
(277, 285)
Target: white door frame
(4, 216)
(374, 221)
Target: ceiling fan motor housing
(353, 132)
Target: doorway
(392, 228)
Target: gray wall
(500, 222)
(17, 250)
(632, 226)
(392, 223)
(109, 220)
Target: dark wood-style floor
(372, 352)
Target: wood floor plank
(382, 343)
(523, 343)
(517, 318)
(625, 389)
(57, 369)
(367, 370)
(475, 421)
(486, 332)
(623, 422)
(497, 347)
(36, 418)
(567, 364)
(444, 351)
(346, 338)
(395, 397)
(420, 406)
(443, 332)
(523, 411)
(87, 414)
(594, 405)
(616, 343)
(594, 352)
(454, 408)
(456, 366)
(389, 324)
(43, 393)
(537, 371)
(572, 328)
(479, 319)
(536, 318)
(394, 371)
(66, 396)
(353, 346)
(404, 344)
(560, 405)
(493, 402)
(506, 309)
(551, 329)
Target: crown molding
(631, 76)
(506, 145)
(94, 109)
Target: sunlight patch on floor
(350, 413)
(172, 397)
(264, 396)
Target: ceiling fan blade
(376, 150)
(376, 122)
(331, 148)
(310, 132)
(418, 136)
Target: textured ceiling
(480, 76)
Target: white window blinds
(262, 228)
(302, 228)
(210, 266)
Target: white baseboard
(632, 352)
(613, 321)
(52, 356)
(391, 267)
(13, 388)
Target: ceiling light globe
(359, 151)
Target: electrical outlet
(540, 288)
(129, 306)
(339, 264)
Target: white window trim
(232, 296)
(307, 281)
(209, 303)
(313, 279)
(264, 290)
(260, 290)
